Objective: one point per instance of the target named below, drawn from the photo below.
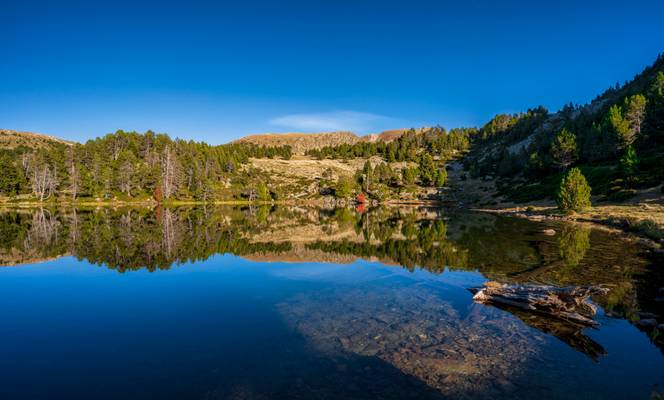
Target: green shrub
(574, 192)
(345, 188)
(648, 228)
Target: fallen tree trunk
(568, 303)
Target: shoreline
(644, 221)
(153, 203)
(626, 219)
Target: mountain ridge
(10, 139)
(301, 142)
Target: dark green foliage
(127, 165)
(425, 245)
(563, 149)
(618, 124)
(654, 119)
(345, 187)
(131, 239)
(408, 175)
(263, 192)
(512, 128)
(408, 147)
(441, 177)
(525, 150)
(12, 176)
(574, 192)
(573, 242)
(629, 161)
(427, 169)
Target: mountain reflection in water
(413, 313)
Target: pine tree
(12, 177)
(263, 192)
(441, 177)
(409, 175)
(654, 119)
(635, 110)
(563, 149)
(574, 192)
(427, 169)
(619, 125)
(345, 187)
(629, 162)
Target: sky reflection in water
(309, 303)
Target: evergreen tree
(619, 125)
(654, 119)
(635, 109)
(427, 169)
(574, 192)
(12, 178)
(345, 187)
(409, 175)
(628, 162)
(563, 149)
(263, 192)
(534, 164)
(441, 177)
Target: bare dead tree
(125, 173)
(635, 111)
(43, 179)
(74, 227)
(169, 172)
(117, 145)
(74, 175)
(43, 230)
(168, 231)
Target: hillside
(300, 143)
(12, 139)
(616, 140)
(389, 135)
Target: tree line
(436, 141)
(127, 164)
(617, 141)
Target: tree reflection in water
(500, 248)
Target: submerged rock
(418, 333)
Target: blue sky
(214, 71)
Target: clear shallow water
(255, 304)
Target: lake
(300, 303)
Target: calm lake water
(297, 303)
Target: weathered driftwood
(568, 303)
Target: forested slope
(616, 140)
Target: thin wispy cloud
(360, 122)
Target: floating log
(569, 303)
